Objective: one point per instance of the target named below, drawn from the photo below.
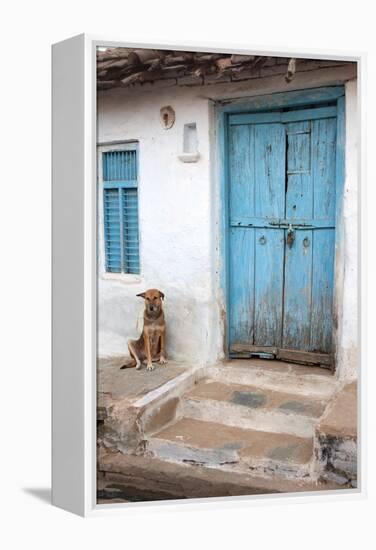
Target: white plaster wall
(174, 218)
(179, 211)
(348, 341)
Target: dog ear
(161, 295)
(141, 295)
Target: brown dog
(151, 344)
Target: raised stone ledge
(139, 478)
(336, 438)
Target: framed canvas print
(205, 274)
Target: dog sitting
(151, 344)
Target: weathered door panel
(281, 217)
(269, 170)
(299, 189)
(268, 264)
(242, 284)
(324, 168)
(322, 290)
(241, 168)
(297, 292)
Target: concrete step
(124, 478)
(276, 375)
(253, 407)
(216, 445)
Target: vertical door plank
(241, 284)
(270, 161)
(298, 258)
(241, 261)
(324, 184)
(242, 163)
(322, 290)
(269, 250)
(299, 192)
(324, 167)
(298, 292)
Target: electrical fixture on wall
(167, 117)
(190, 143)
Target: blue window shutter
(121, 231)
(120, 166)
(112, 230)
(130, 231)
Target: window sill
(189, 157)
(127, 278)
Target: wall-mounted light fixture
(167, 116)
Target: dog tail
(128, 365)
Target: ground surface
(127, 478)
(234, 428)
(128, 383)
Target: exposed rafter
(127, 67)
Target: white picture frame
(74, 207)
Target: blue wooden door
(281, 233)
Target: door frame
(296, 98)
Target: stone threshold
(128, 478)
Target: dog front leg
(162, 359)
(149, 365)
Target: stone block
(336, 437)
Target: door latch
(290, 238)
